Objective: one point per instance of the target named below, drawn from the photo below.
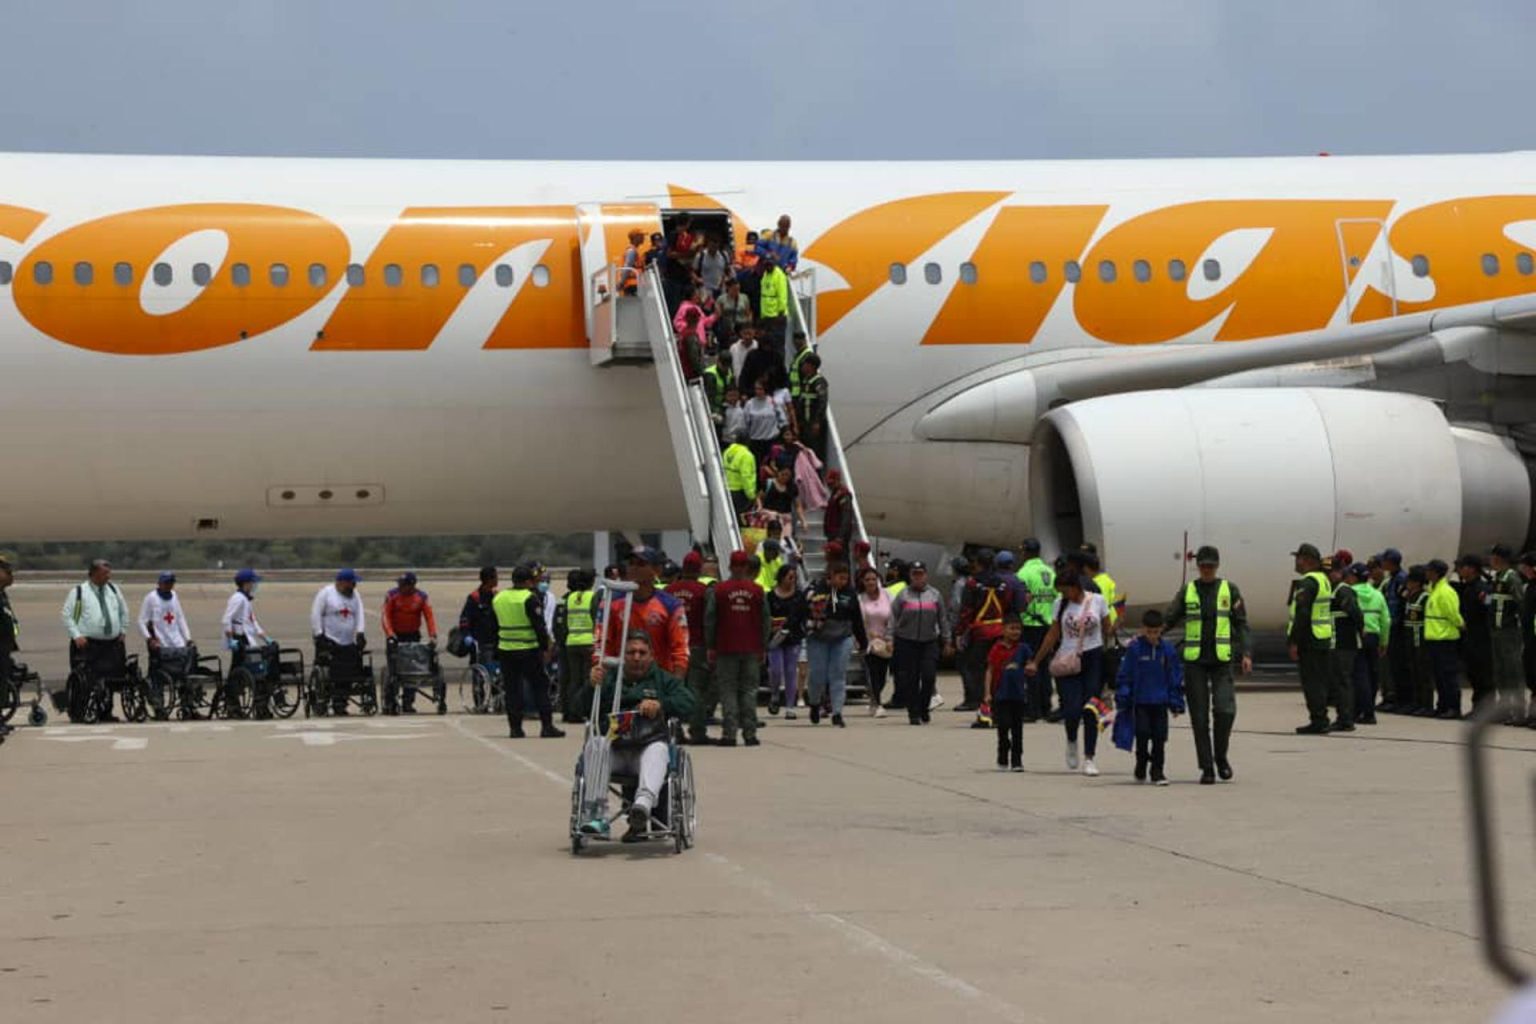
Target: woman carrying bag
(1078, 635)
(875, 604)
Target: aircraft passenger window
(318, 275)
(1524, 264)
(202, 273)
(540, 275)
(122, 273)
(898, 273)
(1421, 266)
(1038, 273)
(1107, 271)
(967, 273)
(1074, 271)
(932, 273)
(503, 276)
(429, 277)
(1490, 264)
(1211, 269)
(42, 272)
(393, 275)
(1142, 271)
(355, 275)
(84, 273)
(1177, 271)
(277, 273)
(161, 274)
(5, 272)
(467, 275)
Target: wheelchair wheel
(38, 716)
(10, 699)
(480, 686)
(390, 687)
(687, 821)
(285, 696)
(82, 703)
(239, 693)
(135, 706)
(316, 693)
(367, 696)
(163, 692)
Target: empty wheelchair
(94, 677)
(263, 682)
(484, 679)
(674, 819)
(409, 668)
(179, 678)
(13, 694)
(336, 689)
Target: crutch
(597, 750)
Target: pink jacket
(680, 321)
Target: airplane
(1147, 354)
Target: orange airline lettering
(377, 317)
(862, 247)
(1006, 306)
(114, 321)
(1294, 283)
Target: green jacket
(773, 299)
(676, 698)
(1373, 605)
(740, 470)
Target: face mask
(544, 586)
(165, 595)
(252, 591)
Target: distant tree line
(304, 553)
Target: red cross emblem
(169, 618)
(345, 613)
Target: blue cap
(167, 577)
(347, 576)
(246, 576)
(1004, 558)
(407, 578)
(1392, 555)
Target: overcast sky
(786, 79)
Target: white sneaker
(1071, 755)
(1089, 768)
(878, 712)
(936, 702)
(873, 707)
(789, 716)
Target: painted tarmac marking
(118, 742)
(330, 739)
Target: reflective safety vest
(794, 370)
(716, 382)
(515, 630)
(578, 618)
(1194, 626)
(1106, 584)
(1040, 580)
(1414, 618)
(892, 589)
(1442, 614)
(1503, 598)
(1322, 609)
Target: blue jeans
(1075, 692)
(828, 661)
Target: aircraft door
(604, 229)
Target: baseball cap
(406, 578)
(347, 576)
(1358, 570)
(1344, 557)
(167, 577)
(1207, 555)
(1392, 555)
(739, 559)
(693, 562)
(917, 567)
(1416, 572)
(1307, 551)
(648, 555)
(1030, 546)
(247, 576)
(1004, 559)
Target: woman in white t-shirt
(1079, 630)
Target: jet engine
(1149, 476)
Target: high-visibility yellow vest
(1413, 618)
(578, 618)
(515, 628)
(1505, 602)
(1442, 615)
(1322, 609)
(893, 589)
(794, 370)
(1106, 584)
(1040, 580)
(1194, 626)
(768, 576)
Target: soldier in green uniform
(1504, 603)
(1215, 633)
(574, 637)
(1420, 698)
(1309, 631)
(1348, 636)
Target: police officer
(573, 635)
(1039, 582)
(1442, 635)
(1215, 633)
(1309, 631)
(522, 646)
(1348, 637)
(1416, 695)
(1477, 632)
(1398, 696)
(1505, 597)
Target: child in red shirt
(1006, 691)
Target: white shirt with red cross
(337, 618)
(161, 619)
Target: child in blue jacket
(1148, 686)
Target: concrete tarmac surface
(418, 869)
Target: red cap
(740, 559)
(693, 562)
(1343, 558)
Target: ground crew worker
(740, 472)
(573, 638)
(718, 379)
(736, 630)
(1419, 698)
(406, 608)
(797, 373)
(811, 405)
(336, 621)
(523, 645)
(986, 600)
(95, 617)
(1215, 633)
(1397, 694)
(1374, 644)
(1039, 582)
(1443, 626)
(1309, 632)
(1476, 634)
(693, 592)
(1504, 602)
(1348, 627)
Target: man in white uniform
(162, 623)
(336, 620)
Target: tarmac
(418, 869)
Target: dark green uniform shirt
(1348, 619)
(1238, 616)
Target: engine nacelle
(1151, 475)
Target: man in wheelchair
(639, 739)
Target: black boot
(547, 730)
(1223, 744)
